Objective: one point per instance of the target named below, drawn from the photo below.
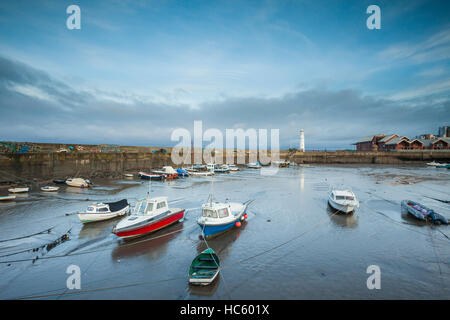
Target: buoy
(238, 224)
(245, 216)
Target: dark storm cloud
(36, 107)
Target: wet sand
(293, 246)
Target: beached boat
(195, 173)
(254, 165)
(221, 169)
(49, 189)
(149, 215)
(168, 172)
(233, 167)
(104, 211)
(18, 190)
(150, 176)
(59, 181)
(7, 198)
(128, 175)
(423, 213)
(281, 164)
(182, 172)
(78, 182)
(343, 200)
(444, 165)
(204, 268)
(219, 217)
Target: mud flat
(292, 247)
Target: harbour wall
(50, 165)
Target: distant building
(392, 142)
(397, 143)
(444, 132)
(369, 143)
(441, 144)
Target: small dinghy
(254, 165)
(182, 173)
(204, 268)
(343, 200)
(59, 181)
(222, 169)
(78, 182)
(104, 211)
(168, 172)
(49, 189)
(423, 213)
(201, 173)
(444, 165)
(233, 167)
(150, 176)
(18, 190)
(7, 198)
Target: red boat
(149, 215)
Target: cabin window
(348, 198)
(209, 213)
(161, 205)
(149, 207)
(340, 197)
(90, 209)
(141, 209)
(223, 213)
(102, 209)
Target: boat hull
(211, 231)
(203, 281)
(150, 226)
(429, 215)
(18, 190)
(95, 217)
(341, 208)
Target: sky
(137, 70)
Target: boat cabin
(98, 208)
(343, 195)
(152, 206)
(216, 210)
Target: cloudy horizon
(138, 70)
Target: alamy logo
(74, 20)
(214, 151)
(74, 280)
(374, 20)
(374, 280)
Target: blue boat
(182, 173)
(218, 217)
(423, 213)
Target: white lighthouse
(302, 141)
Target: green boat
(204, 268)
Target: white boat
(49, 189)
(222, 169)
(233, 167)
(343, 200)
(198, 173)
(104, 211)
(281, 163)
(78, 182)
(254, 165)
(130, 175)
(7, 198)
(167, 172)
(18, 190)
(433, 164)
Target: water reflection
(205, 291)
(153, 246)
(302, 179)
(342, 220)
(96, 229)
